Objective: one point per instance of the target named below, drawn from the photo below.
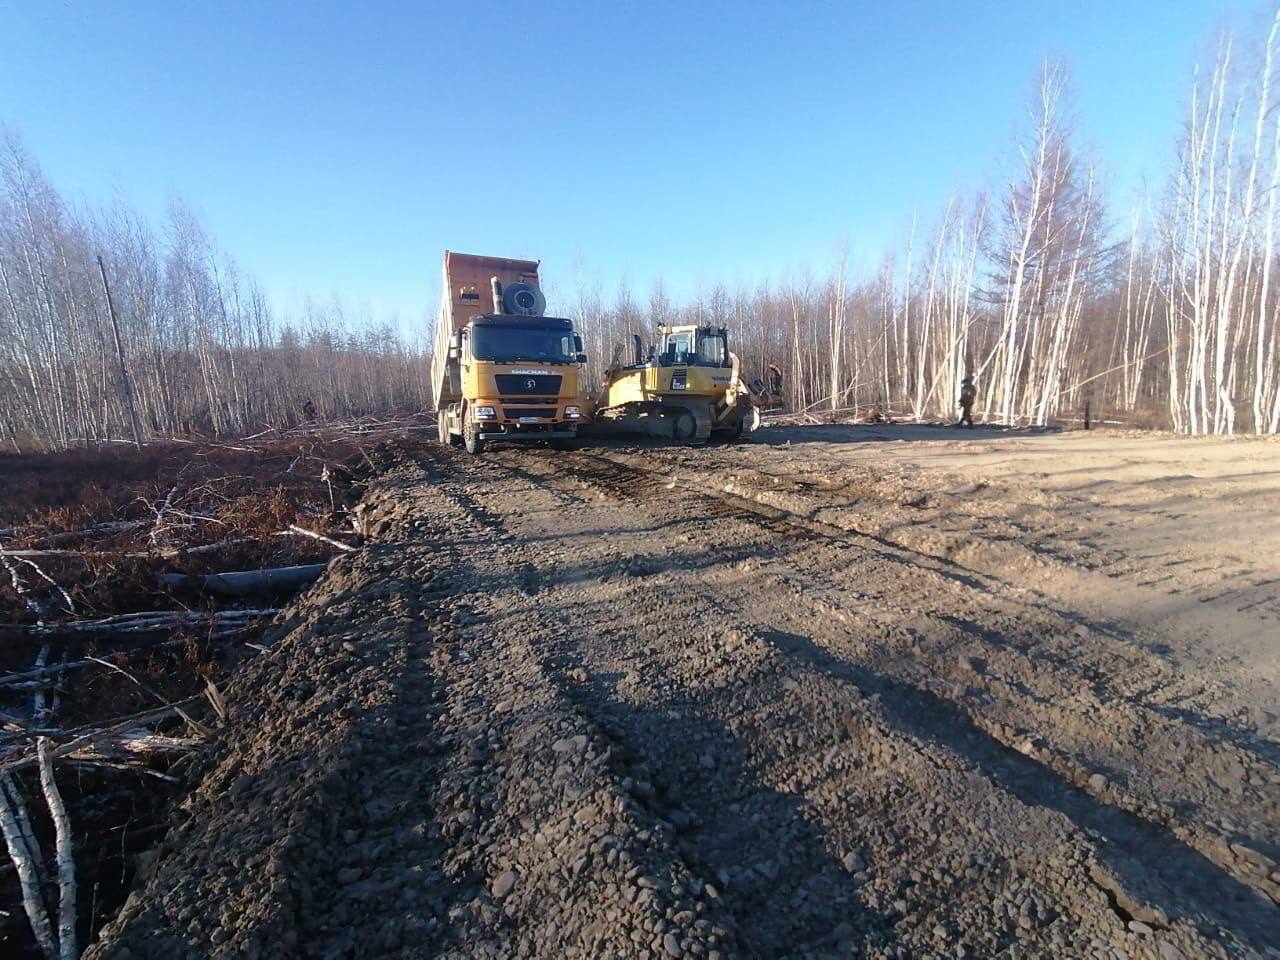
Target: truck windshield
(521, 343)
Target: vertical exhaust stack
(496, 284)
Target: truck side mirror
(582, 358)
(455, 345)
(577, 343)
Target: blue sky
(340, 147)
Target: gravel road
(760, 700)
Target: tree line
(1167, 318)
(1047, 295)
(110, 328)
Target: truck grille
(513, 413)
(528, 385)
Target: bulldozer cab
(693, 346)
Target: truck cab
(519, 380)
(507, 373)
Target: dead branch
(125, 767)
(26, 858)
(66, 597)
(97, 529)
(91, 738)
(131, 744)
(47, 553)
(13, 723)
(138, 638)
(16, 531)
(146, 688)
(210, 547)
(64, 853)
(39, 711)
(302, 531)
(215, 699)
(42, 553)
(151, 618)
(121, 744)
(32, 602)
(159, 521)
(38, 679)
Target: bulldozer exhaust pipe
(496, 284)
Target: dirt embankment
(111, 649)
(672, 703)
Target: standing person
(968, 394)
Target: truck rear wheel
(471, 436)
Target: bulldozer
(686, 387)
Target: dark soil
(622, 703)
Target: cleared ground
(834, 692)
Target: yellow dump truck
(501, 370)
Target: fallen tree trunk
(127, 735)
(246, 582)
(137, 630)
(98, 529)
(38, 678)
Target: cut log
(246, 582)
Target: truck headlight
(572, 413)
(485, 413)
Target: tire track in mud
(586, 824)
(1228, 815)
(1181, 867)
(1018, 534)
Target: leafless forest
(1044, 289)
(194, 346)
(1163, 316)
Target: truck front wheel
(471, 436)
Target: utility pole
(126, 388)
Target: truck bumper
(538, 433)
